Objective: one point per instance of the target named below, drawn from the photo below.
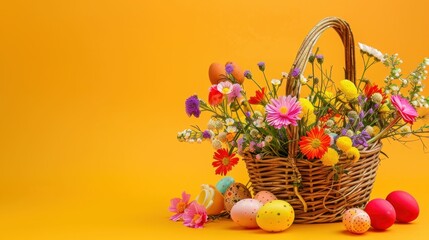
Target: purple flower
(206, 134)
(229, 68)
(240, 142)
(193, 106)
(247, 74)
(252, 146)
(296, 72)
(361, 114)
(261, 66)
(361, 139)
(319, 58)
(235, 92)
(370, 111)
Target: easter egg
(234, 194)
(381, 212)
(237, 73)
(224, 184)
(211, 199)
(265, 196)
(275, 216)
(356, 220)
(216, 73)
(406, 206)
(244, 212)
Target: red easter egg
(406, 206)
(381, 212)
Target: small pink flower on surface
(408, 113)
(178, 206)
(195, 215)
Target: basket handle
(293, 86)
(343, 29)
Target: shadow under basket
(318, 194)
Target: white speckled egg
(244, 212)
(356, 220)
(234, 194)
(265, 196)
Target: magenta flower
(195, 215)
(178, 206)
(283, 111)
(408, 113)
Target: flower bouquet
(319, 152)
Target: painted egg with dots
(265, 196)
(356, 220)
(234, 194)
(244, 212)
(275, 216)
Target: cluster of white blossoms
(372, 52)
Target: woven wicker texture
(316, 192)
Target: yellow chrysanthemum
(330, 158)
(353, 154)
(307, 107)
(349, 89)
(328, 96)
(384, 110)
(376, 130)
(310, 119)
(344, 143)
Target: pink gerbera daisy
(195, 215)
(408, 113)
(283, 111)
(178, 206)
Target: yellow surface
(92, 96)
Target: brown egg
(234, 194)
(216, 73)
(237, 73)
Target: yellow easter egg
(275, 216)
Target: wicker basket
(311, 188)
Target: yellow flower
(310, 119)
(344, 143)
(330, 158)
(384, 110)
(349, 89)
(328, 96)
(307, 107)
(376, 130)
(353, 154)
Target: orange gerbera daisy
(258, 98)
(315, 144)
(224, 161)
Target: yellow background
(92, 96)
